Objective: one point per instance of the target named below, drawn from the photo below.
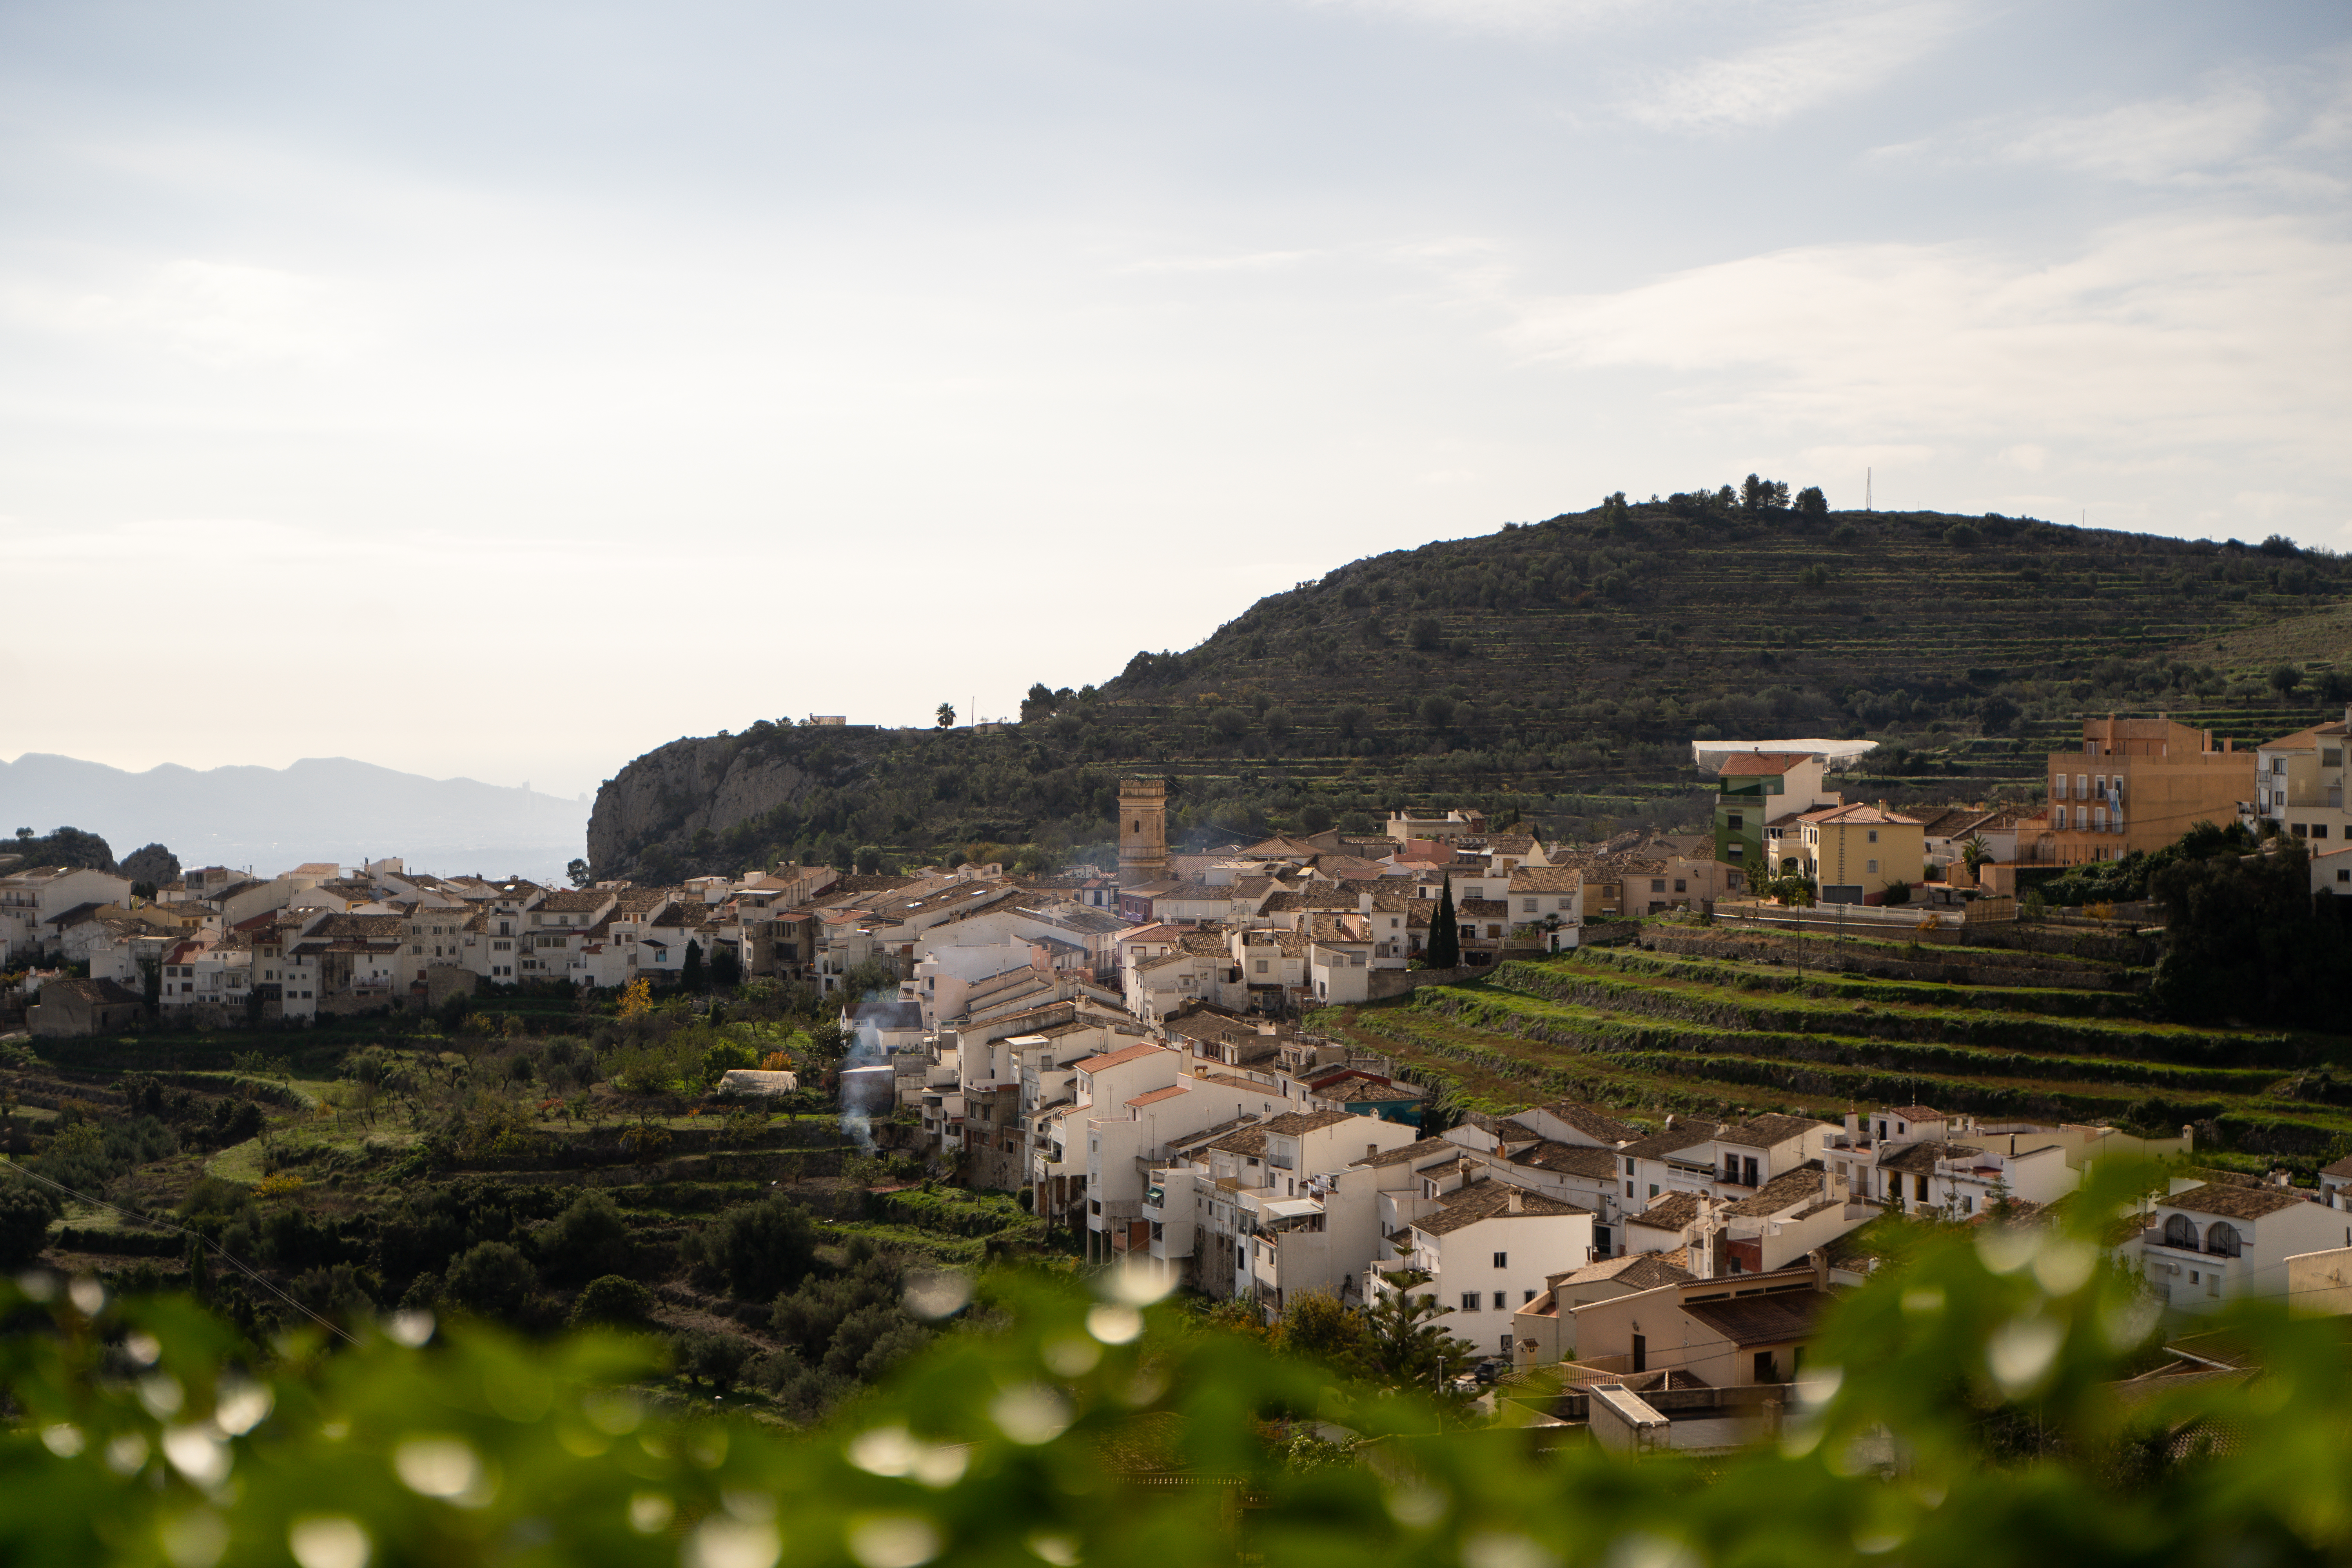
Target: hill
(1559, 671)
(320, 808)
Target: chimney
(1852, 1127)
(1513, 1203)
(2189, 1134)
(1371, 1149)
(1671, 1121)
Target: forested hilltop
(1556, 671)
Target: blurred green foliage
(1962, 1409)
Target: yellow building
(1854, 853)
(2136, 784)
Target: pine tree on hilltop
(1445, 950)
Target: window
(1657, 884)
(1874, 836)
(1526, 906)
(1641, 1352)
(2058, 787)
(1764, 1373)
(1502, 1260)
(1526, 1297)
(1681, 885)
(1629, 1171)
(1470, 1299)
(1873, 868)
(1654, 1189)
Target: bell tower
(1142, 831)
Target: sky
(503, 390)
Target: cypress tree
(1445, 950)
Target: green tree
(712, 1358)
(1758, 495)
(1317, 1323)
(1975, 852)
(586, 1241)
(1228, 723)
(2245, 941)
(1811, 504)
(26, 1213)
(1437, 711)
(2285, 679)
(947, 715)
(1406, 1347)
(490, 1278)
(613, 1301)
(1427, 633)
(578, 871)
(689, 973)
(1444, 948)
(762, 1248)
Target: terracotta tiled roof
(1764, 1131)
(1752, 764)
(1775, 1319)
(1490, 1200)
(2234, 1202)
(1790, 1189)
(1671, 1212)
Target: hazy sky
(505, 389)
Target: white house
(2211, 1243)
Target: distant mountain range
(320, 808)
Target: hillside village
(1140, 1053)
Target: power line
(221, 1252)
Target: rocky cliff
(683, 799)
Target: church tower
(1142, 831)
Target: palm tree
(947, 715)
(1974, 853)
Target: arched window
(2221, 1239)
(2179, 1230)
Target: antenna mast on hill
(1866, 492)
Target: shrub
(491, 1279)
(614, 1301)
(588, 1239)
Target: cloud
(1839, 51)
(2162, 340)
(1509, 17)
(2275, 128)
(214, 312)
(2154, 140)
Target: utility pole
(1866, 492)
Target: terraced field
(1650, 1029)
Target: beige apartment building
(2299, 786)
(1856, 853)
(2136, 784)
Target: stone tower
(1142, 831)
